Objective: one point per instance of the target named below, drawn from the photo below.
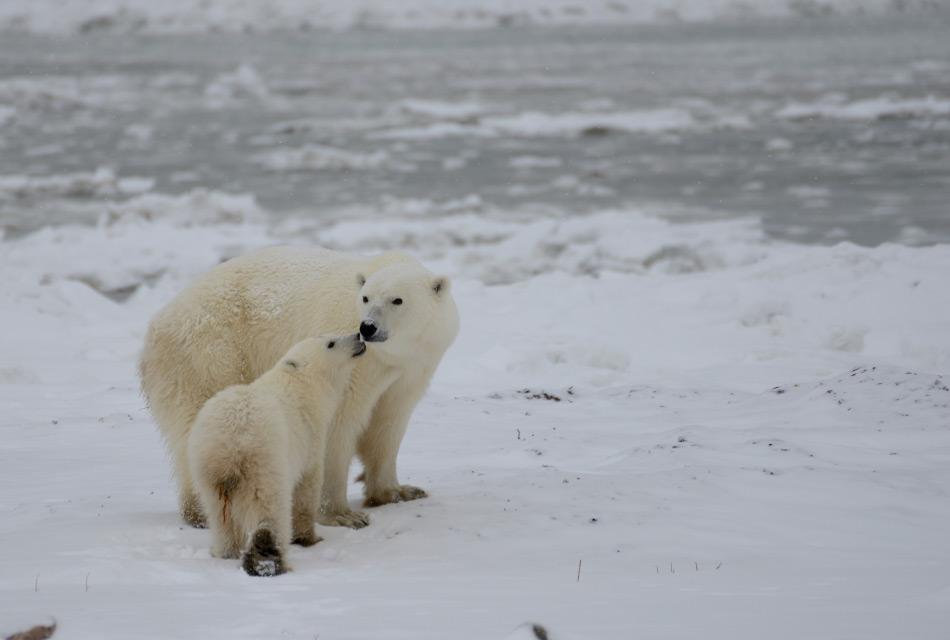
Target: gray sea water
(827, 129)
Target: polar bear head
(324, 356)
(406, 312)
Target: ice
(538, 124)
(533, 162)
(546, 124)
(243, 82)
(882, 107)
(102, 182)
(457, 111)
(321, 157)
(78, 16)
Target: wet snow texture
(644, 430)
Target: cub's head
(403, 309)
(323, 355)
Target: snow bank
(639, 418)
(137, 242)
(85, 16)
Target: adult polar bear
(236, 321)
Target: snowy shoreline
(738, 437)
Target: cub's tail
(225, 488)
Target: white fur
(236, 321)
(256, 451)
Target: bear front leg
(335, 510)
(379, 447)
(306, 505)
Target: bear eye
(397, 301)
(365, 299)
(330, 344)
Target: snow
(531, 124)
(544, 124)
(101, 182)
(244, 81)
(441, 110)
(86, 16)
(645, 429)
(321, 157)
(878, 108)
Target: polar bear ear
(360, 279)
(440, 285)
(291, 364)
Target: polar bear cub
(256, 453)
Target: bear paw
(263, 558)
(306, 538)
(351, 519)
(193, 516)
(401, 493)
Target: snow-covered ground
(645, 430)
(85, 16)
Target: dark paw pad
(263, 558)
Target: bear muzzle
(371, 332)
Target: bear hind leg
(189, 504)
(263, 514)
(306, 505)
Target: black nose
(367, 330)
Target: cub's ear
(291, 364)
(360, 279)
(440, 285)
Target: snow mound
(892, 394)
(137, 242)
(499, 251)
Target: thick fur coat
(236, 321)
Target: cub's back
(238, 421)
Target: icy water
(826, 130)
